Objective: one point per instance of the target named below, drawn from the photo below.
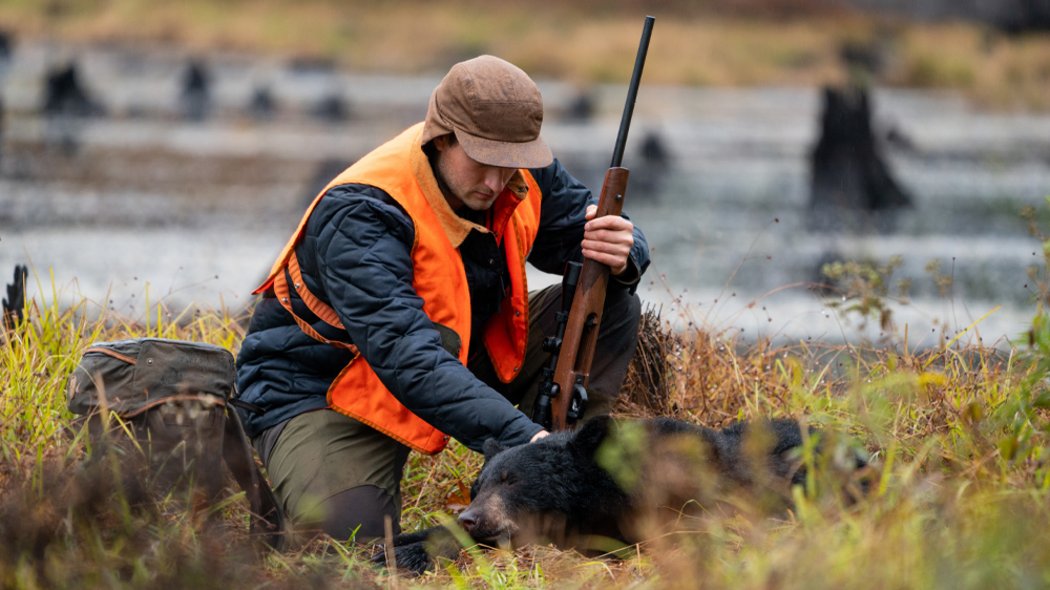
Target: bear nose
(468, 520)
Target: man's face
(470, 184)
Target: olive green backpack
(176, 424)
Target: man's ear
(442, 142)
(491, 447)
(591, 435)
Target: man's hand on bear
(538, 436)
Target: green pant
(325, 467)
(334, 474)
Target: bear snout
(486, 519)
(468, 519)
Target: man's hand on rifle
(608, 240)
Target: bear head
(545, 491)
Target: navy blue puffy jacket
(356, 256)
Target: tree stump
(195, 92)
(14, 304)
(262, 105)
(65, 95)
(649, 175)
(852, 188)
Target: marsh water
(145, 205)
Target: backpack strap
(267, 519)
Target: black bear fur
(611, 483)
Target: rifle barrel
(579, 339)
(632, 92)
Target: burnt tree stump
(262, 105)
(13, 305)
(581, 108)
(195, 91)
(647, 178)
(852, 188)
(5, 47)
(65, 95)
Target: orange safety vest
(401, 169)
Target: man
(397, 316)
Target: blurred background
(815, 170)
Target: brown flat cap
(495, 111)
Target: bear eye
(504, 477)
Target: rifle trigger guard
(577, 404)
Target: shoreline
(693, 48)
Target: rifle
(562, 399)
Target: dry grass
(959, 436)
(709, 43)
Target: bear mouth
(524, 529)
(497, 540)
(500, 536)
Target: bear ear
(589, 437)
(491, 447)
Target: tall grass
(959, 497)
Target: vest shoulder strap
(283, 294)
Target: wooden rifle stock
(577, 347)
(585, 317)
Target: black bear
(613, 482)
